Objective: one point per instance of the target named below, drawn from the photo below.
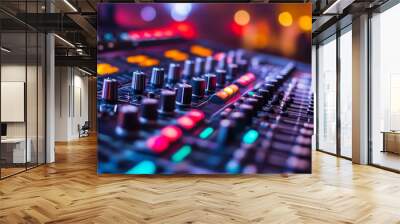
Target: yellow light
(228, 90)
(242, 17)
(285, 19)
(106, 69)
(180, 57)
(136, 59)
(305, 23)
(149, 62)
(171, 53)
(200, 51)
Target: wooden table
(391, 141)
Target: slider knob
(188, 69)
(226, 132)
(148, 109)
(221, 77)
(211, 84)
(128, 120)
(199, 66)
(184, 95)
(222, 62)
(174, 71)
(167, 104)
(233, 70)
(210, 64)
(157, 77)
(110, 91)
(199, 87)
(138, 82)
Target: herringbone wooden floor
(70, 191)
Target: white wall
(71, 102)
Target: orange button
(136, 59)
(186, 122)
(222, 95)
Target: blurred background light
(305, 23)
(148, 13)
(285, 19)
(180, 11)
(242, 17)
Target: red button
(158, 144)
(196, 115)
(186, 122)
(173, 133)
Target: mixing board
(178, 106)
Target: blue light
(144, 167)
(108, 37)
(124, 36)
(148, 13)
(180, 11)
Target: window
(385, 89)
(346, 93)
(327, 96)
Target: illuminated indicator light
(200, 51)
(134, 36)
(124, 36)
(158, 144)
(285, 19)
(144, 167)
(242, 17)
(186, 122)
(180, 11)
(136, 59)
(148, 13)
(168, 33)
(206, 133)
(147, 35)
(305, 23)
(222, 95)
(171, 53)
(149, 63)
(250, 76)
(180, 57)
(196, 115)
(219, 56)
(234, 87)
(251, 93)
(173, 133)
(181, 154)
(228, 90)
(158, 34)
(250, 136)
(232, 167)
(106, 69)
(108, 36)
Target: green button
(181, 154)
(251, 93)
(206, 133)
(144, 167)
(250, 136)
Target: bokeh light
(305, 23)
(285, 19)
(148, 13)
(242, 17)
(180, 11)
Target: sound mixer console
(193, 107)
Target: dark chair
(84, 129)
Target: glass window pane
(327, 97)
(385, 86)
(346, 94)
(13, 86)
